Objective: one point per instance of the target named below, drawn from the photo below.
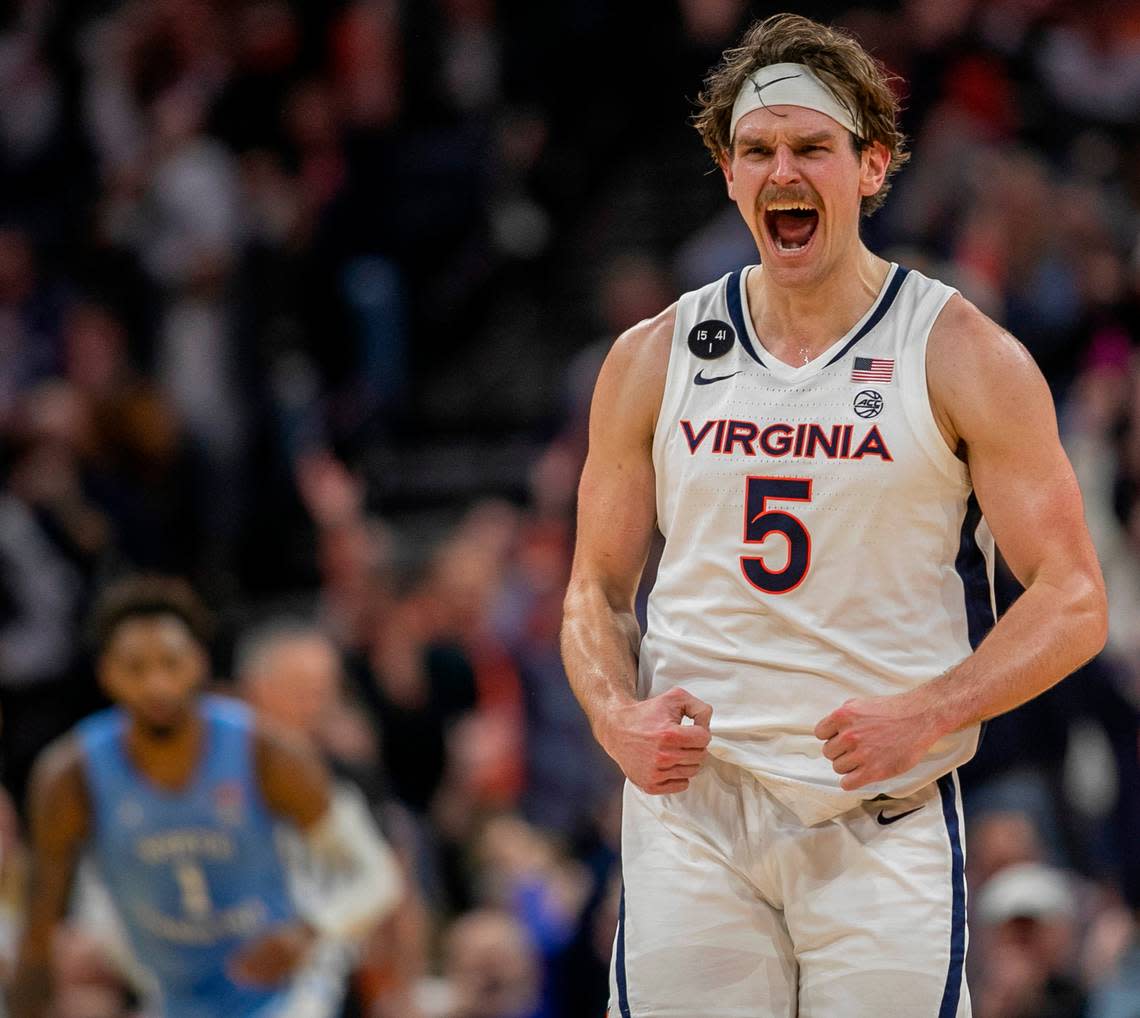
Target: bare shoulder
(979, 374)
(292, 777)
(58, 802)
(647, 343)
(632, 379)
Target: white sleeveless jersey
(821, 540)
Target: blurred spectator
(416, 685)
(138, 466)
(30, 311)
(1100, 43)
(522, 871)
(53, 541)
(490, 969)
(354, 552)
(998, 840)
(1027, 917)
(290, 672)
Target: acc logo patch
(868, 403)
(712, 339)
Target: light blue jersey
(194, 873)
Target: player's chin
(162, 723)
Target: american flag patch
(872, 369)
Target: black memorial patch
(712, 339)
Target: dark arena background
(304, 302)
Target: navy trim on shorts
(619, 959)
(971, 567)
(736, 313)
(953, 991)
(877, 315)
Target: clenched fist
(655, 749)
(272, 958)
(877, 738)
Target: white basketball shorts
(732, 908)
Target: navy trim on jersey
(971, 567)
(877, 315)
(953, 991)
(736, 313)
(619, 959)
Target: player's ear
(725, 163)
(874, 159)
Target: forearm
(599, 650)
(1049, 632)
(30, 990)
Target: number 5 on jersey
(760, 521)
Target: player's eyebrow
(763, 138)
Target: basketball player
(178, 796)
(827, 442)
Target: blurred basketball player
(177, 796)
(817, 439)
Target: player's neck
(169, 760)
(797, 324)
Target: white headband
(788, 85)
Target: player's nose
(162, 684)
(785, 169)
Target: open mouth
(791, 227)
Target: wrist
(608, 725)
(933, 709)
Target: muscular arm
(991, 401)
(1029, 496)
(617, 517)
(59, 818)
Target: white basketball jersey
(821, 541)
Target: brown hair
(858, 80)
(147, 596)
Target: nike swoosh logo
(885, 820)
(700, 379)
(760, 88)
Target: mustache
(774, 194)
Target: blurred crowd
(304, 302)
